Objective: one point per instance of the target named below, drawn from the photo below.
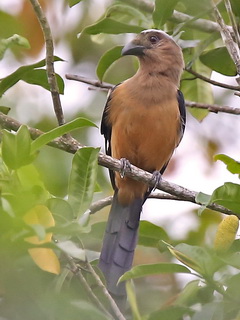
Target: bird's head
(158, 54)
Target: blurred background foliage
(45, 187)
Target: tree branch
(211, 107)
(215, 83)
(231, 46)
(106, 161)
(76, 270)
(49, 61)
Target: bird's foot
(156, 177)
(125, 165)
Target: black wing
(106, 131)
(182, 109)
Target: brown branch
(102, 203)
(213, 82)
(49, 61)
(106, 161)
(211, 107)
(113, 304)
(76, 270)
(231, 46)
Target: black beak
(133, 49)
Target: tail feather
(119, 243)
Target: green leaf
(150, 234)
(163, 11)
(150, 269)
(13, 40)
(132, 301)
(210, 311)
(17, 75)
(83, 179)
(228, 196)
(71, 249)
(4, 109)
(202, 198)
(39, 77)
(232, 165)
(72, 3)
(59, 131)
(197, 258)
(107, 59)
(170, 313)
(16, 148)
(110, 26)
(220, 61)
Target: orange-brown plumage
(143, 122)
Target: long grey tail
(119, 243)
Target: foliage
(42, 231)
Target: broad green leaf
(83, 179)
(228, 196)
(4, 109)
(16, 148)
(13, 40)
(219, 60)
(17, 75)
(210, 311)
(162, 11)
(72, 3)
(202, 198)
(232, 165)
(197, 258)
(189, 294)
(39, 77)
(126, 13)
(150, 234)
(110, 26)
(71, 249)
(106, 60)
(151, 269)
(59, 131)
(132, 301)
(170, 313)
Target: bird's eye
(153, 39)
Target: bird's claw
(156, 177)
(125, 165)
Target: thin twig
(102, 203)
(231, 46)
(78, 273)
(113, 304)
(133, 172)
(213, 107)
(213, 82)
(192, 104)
(49, 61)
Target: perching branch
(210, 107)
(133, 172)
(49, 61)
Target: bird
(143, 122)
